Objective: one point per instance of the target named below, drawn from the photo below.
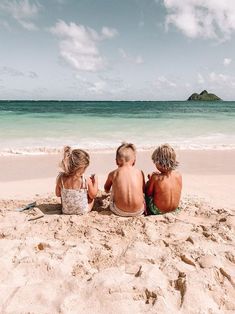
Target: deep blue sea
(31, 127)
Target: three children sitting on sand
(130, 196)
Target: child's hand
(93, 178)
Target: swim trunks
(151, 208)
(120, 212)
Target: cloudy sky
(116, 49)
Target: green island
(204, 96)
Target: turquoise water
(46, 126)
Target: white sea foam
(107, 148)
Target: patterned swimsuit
(75, 202)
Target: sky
(116, 49)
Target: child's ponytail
(66, 162)
(73, 160)
(67, 151)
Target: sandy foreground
(101, 263)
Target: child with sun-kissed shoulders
(163, 190)
(127, 183)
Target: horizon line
(108, 100)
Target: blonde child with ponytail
(77, 192)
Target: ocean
(37, 127)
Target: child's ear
(134, 162)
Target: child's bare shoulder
(59, 177)
(155, 176)
(137, 170)
(137, 173)
(176, 174)
(113, 173)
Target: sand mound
(100, 263)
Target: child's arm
(143, 181)
(92, 183)
(151, 184)
(58, 186)
(109, 182)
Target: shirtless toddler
(127, 183)
(163, 190)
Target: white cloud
(218, 78)
(162, 81)
(79, 45)
(202, 18)
(23, 11)
(98, 87)
(138, 59)
(60, 1)
(5, 25)
(227, 61)
(28, 25)
(200, 79)
(32, 75)
(109, 32)
(216, 81)
(5, 70)
(123, 53)
(102, 86)
(111, 87)
(9, 71)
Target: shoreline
(206, 174)
(55, 151)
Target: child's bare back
(163, 190)
(127, 188)
(127, 184)
(166, 190)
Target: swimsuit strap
(62, 182)
(83, 185)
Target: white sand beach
(101, 263)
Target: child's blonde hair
(126, 152)
(74, 159)
(165, 157)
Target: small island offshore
(204, 95)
